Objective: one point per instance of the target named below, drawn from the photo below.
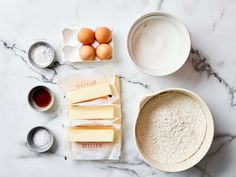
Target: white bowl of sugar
(40, 139)
(158, 43)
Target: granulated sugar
(41, 138)
(171, 128)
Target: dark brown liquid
(41, 97)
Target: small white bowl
(167, 56)
(194, 159)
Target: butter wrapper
(93, 150)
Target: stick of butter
(89, 93)
(91, 134)
(92, 112)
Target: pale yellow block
(119, 121)
(89, 93)
(92, 112)
(91, 134)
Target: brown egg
(104, 51)
(87, 52)
(86, 36)
(103, 35)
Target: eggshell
(87, 52)
(104, 51)
(103, 35)
(86, 36)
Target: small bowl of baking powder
(41, 54)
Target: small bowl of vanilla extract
(41, 98)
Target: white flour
(171, 128)
(42, 55)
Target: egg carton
(71, 45)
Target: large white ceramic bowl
(195, 158)
(167, 42)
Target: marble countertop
(210, 72)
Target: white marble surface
(210, 72)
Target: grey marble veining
(201, 64)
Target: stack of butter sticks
(93, 130)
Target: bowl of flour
(174, 129)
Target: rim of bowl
(203, 149)
(157, 72)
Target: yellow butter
(91, 134)
(92, 112)
(89, 93)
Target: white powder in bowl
(42, 55)
(171, 128)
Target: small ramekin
(43, 43)
(33, 104)
(34, 147)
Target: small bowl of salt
(41, 54)
(40, 139)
